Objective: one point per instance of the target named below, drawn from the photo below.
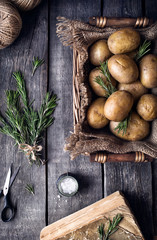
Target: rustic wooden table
(137, 181)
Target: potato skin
(99, 91)
(148, 71)
(135, 88)
(147, 107)
(118, 105)
(95, 114)
(123, 68)
(99, 52)
(123, 41)
(137, 128)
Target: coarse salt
(68, 186)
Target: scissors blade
(7, 181)
(14, 176)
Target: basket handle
(102, 22)
(103, 157)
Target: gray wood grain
(114, 8)
(150, 12)
(134, 180)
(30, 215)
(60, 79)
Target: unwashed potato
(95, 114)
(148, 71)
(123, 68)
(118, 105)
(95, 86)
(147, 107)
(123, 41)
(99, 52)
(135, 88)
(137, 128)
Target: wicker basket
(84, 140)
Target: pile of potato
(132, 80)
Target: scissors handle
(1, 193)
(8, 211)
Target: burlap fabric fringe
(83, 140)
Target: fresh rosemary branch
(108, 87)
(23, 123)
(101, 231)
(8, 130)
(143, 49)
(112, 228)
(44, 114)
(30, 189)
(123, 125)
(21, 88)
(36, 63)
(104, 69)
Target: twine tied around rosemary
(30, 151)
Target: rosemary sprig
(8, 130)
(30, 189)
(123, 125)
(108, 87)
(44, 114)
(21, 88)
(104, 69)
(36, 63)
(23, 123)
(112, 228)
(101, 231)
(143, 49)
(14, 115)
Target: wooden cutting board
(95, 213)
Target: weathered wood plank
(135, 180)
(30, 215)
(114, 8)
(150, 11)
(60, 71)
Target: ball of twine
(26, 5)
(10, 23)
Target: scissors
(8, 211)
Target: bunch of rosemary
(112, 228)
(23, 123)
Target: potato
(95, 114)
(135, 88)
(118, 105)
(147, 107)
(148, 71)
(95, 86)
(123, 68)
(137, 128)
(123, 41)
(99, 52)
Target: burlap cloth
(84, 140)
